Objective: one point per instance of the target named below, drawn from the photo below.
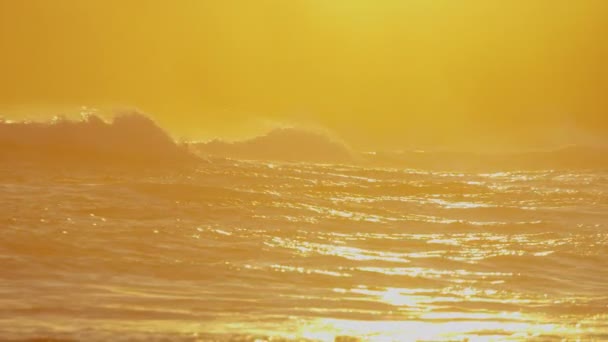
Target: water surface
(251, 250)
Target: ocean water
(258, 251)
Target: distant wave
(131, 138)
(292, 144)
(285, 144)
(571, 157)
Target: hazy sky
(378, 73)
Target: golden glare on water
(234, 251)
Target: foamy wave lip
(128, 138)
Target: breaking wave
(284, 144)
(129, 138)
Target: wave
(284, 144)
(298, 145)
(129, 138)
(136, 139)
(571, 157)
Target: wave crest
(130, 138)
(283, 144)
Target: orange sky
(380, 74)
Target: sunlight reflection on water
(252, 252)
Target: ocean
(235, 250)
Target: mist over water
(240, 250)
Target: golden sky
(378, 73)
